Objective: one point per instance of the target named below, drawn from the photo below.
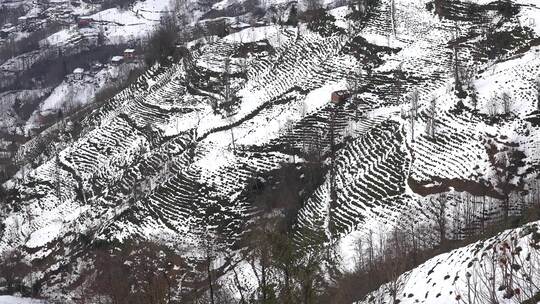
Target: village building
(31, 17)
(84, 22)
(6, 30)
(236, 27)
(129, 54)
(22, 20)
(117, 60)
(65, 18)
(78, 73)
(97, 66)
(4, 34)
(5, 154)
(339, 97)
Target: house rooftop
(7, 30)
(78, 71)
(129, 51)
(341, 92)
(117, 58)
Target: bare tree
(227, 98)
(487, 274)
(209, 256)
(469, 212)
(333, 170)
(432, 113)
(537, 85)
(474, 97)
(393, 262)
(492, 105)
(13, 270)
(509, 267)
(398, 79)
(393, 17)
(508, 177)
(353, 85)
(161, 44)
(370, 249)
(290, 142)
(439, 210)
(360, 262)
(412, 112)
(506, 100)
(259, 240)
(529, 268)
(456, 64)
(312, 5)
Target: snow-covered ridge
(465, 275)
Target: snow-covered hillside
(18, 300)
(502, 269)
(173, 158)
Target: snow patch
(19, 300)
(44, 235)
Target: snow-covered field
(19, 300)
(473, 274)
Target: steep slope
(502, 269)
(170, 159)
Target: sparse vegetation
(10, 14)
(318, 20)
(27, 44)
(161, 47)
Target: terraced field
(166, 161)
